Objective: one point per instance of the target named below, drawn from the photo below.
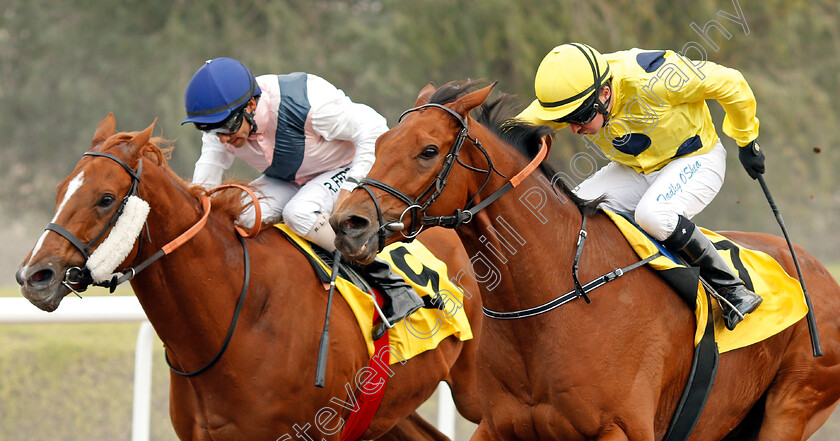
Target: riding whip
(812, 321)
(321, 368)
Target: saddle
(422, 330)
(783, 305)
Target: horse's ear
(470, 101)
(106, 128)
(140, 139)
(425, 94)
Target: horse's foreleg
(793, 416)
(413, 428)
(463, 383)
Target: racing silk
(305, 126)
(659, 112)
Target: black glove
(752, 158)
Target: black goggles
(583, 115)
(227, 127)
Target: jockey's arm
(349, 121)
(212, 163)
(731, 90)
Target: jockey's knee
(300, 218)
(657, 223)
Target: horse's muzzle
(19, 275)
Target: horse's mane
(498, 115)
(227, 203)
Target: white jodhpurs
(298, 206)
(683, 187)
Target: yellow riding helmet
(567, 76)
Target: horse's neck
(531, 228)
(188, 293)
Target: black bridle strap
(382, 235)
(461, 217)
(75, 241)
(232, 323)
(135, 175)
(578, 252)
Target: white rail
(127, 309)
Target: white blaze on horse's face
(74, 185)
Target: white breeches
(683, 187)
(303, 208)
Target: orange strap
(541, 155)
(206, 206)
(257, 209)
(189, 234)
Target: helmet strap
(602, 107)
(250, 118)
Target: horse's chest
(515, 420)
(538, 404)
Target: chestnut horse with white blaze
(262, 385)
(610, 370)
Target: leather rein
(81, 277)
(417, 206)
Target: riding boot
(689, 243)
(401, 299)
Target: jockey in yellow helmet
(646, 111)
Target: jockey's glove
(752, 158)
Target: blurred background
(64, 65)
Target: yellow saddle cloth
(425, 328)
(784, 301)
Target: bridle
(82, 276)
(76, 278)
(417, 206)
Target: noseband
(417, 207)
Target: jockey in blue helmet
(219, 89)
(308, 139)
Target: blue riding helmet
(219, 87)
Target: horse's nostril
(45, 275)
(355, 223)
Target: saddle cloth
(784, 301)
(422, 330)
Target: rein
(418, 206)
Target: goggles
(227, 127)
(583, 115)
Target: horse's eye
(106, 200)
(429, 152)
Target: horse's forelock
(151, 150)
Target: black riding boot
(401, 301)
(690, 244)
